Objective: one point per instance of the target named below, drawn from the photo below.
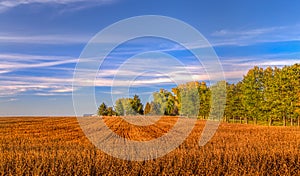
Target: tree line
(263, 95)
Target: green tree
(164, 103)
(205, 96)
(238, 108)
(293, 88)
(252, 91)
(102, 110)
(110, 111)
(285, 94)
(129, 106)
(171, 104)
(218, 100)
(119, 107)
(147, 108)
(136, 105)
(189, 99)
(234, 107)
(295, 83)
(159, 102)
(230, 101)
(155, 109)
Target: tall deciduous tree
(164, 103)
(147, 108)
(230, 102)
(155, 109)
(204, 98)
(136, 105)
(129, 106)
(119, 107)
(253, 93)
(296, 91)
(189, 98)
(269, 87)
(218, 100)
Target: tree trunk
(255, 121)
(233, 119)
(270, 122)
(298, 121)
(241, 120)
(291, 121)
(246, 120)
(284, 121)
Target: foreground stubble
(57, 146)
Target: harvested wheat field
(57, 146)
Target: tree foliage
(129, 106)
(270, 94)
(164, 103)
(103, 110)
(147, 108)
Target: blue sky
(41, 41)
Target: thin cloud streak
(12, 62)
(45, 86)
(8, 100)
(9, 4)
(58, 39)
(234, 69)
(251, 32)
(16, 66)
(18, 57)
(248, 37)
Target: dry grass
(57, 146)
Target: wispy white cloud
(12, 83)
(270, 59)
(16, 56)
(128, 83)
(12, 62)
(242, 37)
(236, 67)
(8, 100)
(280, 62)
(51, 86)
(269, 62)
(16, 66)
(141, 69)
(63, 89)
(224, 37)
(8, 90)
(8, 4)
(250, 33)
(59, 39)
(35, 85)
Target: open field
(57, 146)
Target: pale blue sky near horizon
(41, 40)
